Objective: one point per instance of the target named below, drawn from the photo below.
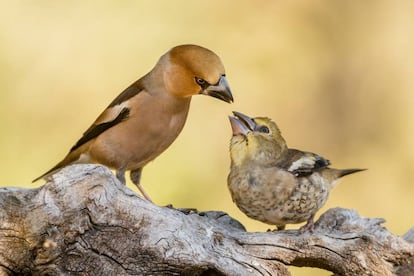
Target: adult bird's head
(255, 140)
(191, 70)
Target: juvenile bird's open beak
(249, 122)
(241, 124)
(221, 90)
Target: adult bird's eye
(264, 129)
(201, 82)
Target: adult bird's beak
(241, 124)
(221, 90)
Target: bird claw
(308, 227)
(305, 229)
(278, 228)
(185, 211)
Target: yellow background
(337, 76)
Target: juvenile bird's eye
(264, 129)
(203, 84)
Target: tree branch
(83, 221)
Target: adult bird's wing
(115, 113)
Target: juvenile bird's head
(255, 140)
(191, 70)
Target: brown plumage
(147, 116)
(274, 184)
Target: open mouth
(241, 124)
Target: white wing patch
(305, 162)
(111, 113)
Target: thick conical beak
(221, 90)
(238, 127)
(249, 122)
(241, 124)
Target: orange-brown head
(191, 70)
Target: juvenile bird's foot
(187, 211)
(182, 210)
(309, 226)
(278, 228)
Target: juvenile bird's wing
(302, 163)
(115, 113)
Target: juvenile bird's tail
(349, 171)
(334, 175)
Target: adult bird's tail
(72, 157)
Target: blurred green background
(337, 76)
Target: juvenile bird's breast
(275, 196)
(309, 195)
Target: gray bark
(84, 222)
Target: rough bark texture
(84, 222)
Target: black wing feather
(96, 130)
(321, 162)
(307, 168)
(128, 93)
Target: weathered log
(83, 221)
